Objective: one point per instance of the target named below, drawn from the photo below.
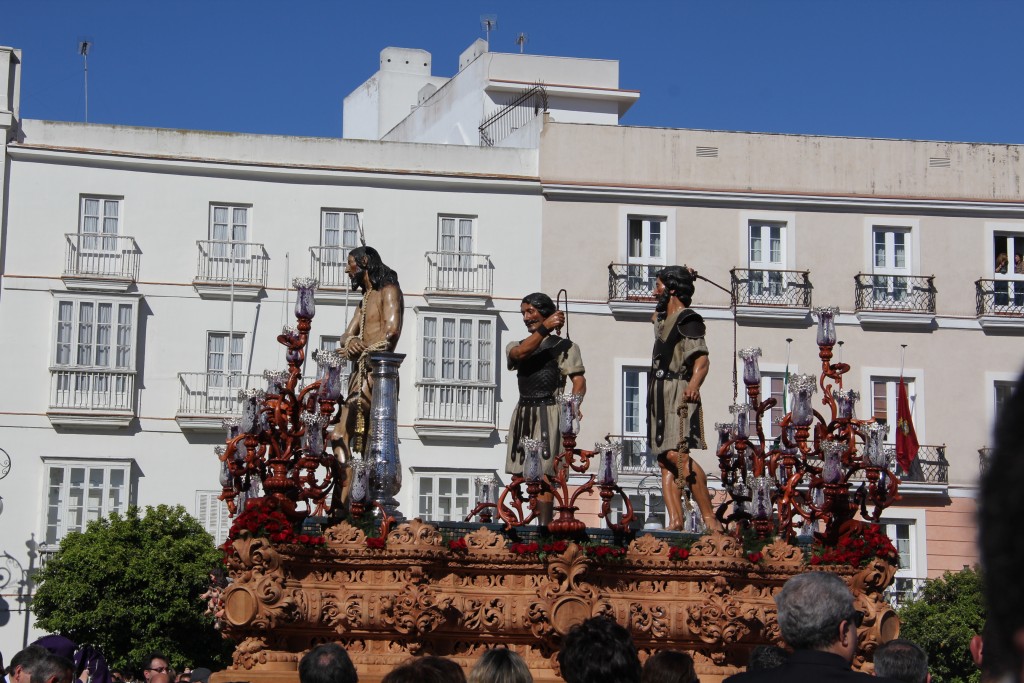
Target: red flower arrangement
(856, 548)
(677, 553)
(376, 542)
(458, 545)
(755, 557)
(605, 552)
(263, 518)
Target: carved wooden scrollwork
(415, 610)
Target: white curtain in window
(465, 349)
(239, 224)
(483, 353)
(215, 353)
(350, 237)
(448, 348)
(447, 237)
(65, 313)
(103, 330)
(124, 336)
(429, 348)
(332, 229)
(85, 333)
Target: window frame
(918, 538)
(77, 299)
(130, 489)
(917, 403)
(223, 521)
(215, 243)
(436, 473)
(989, 399)
(104, 239)
(458, 236)
(340, 257)
(476, 360)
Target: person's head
(1002, 553)
(365, 263)
(25, 662)
(155, 663)
(117, 676)
(669, 666)
(673, 281)
(327, 663)
(428, 669)
(500, 665)
(201, 675)
(53, 669)
(1001, 258)
(902, 660)
(599, 651)
(535, 308)
(764, 657)
(816, 613)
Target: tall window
(883, 402)
(890, 262)
(903, 534)
(1009, 269)
(223, 369)
(99, 224)
(229, 231)
(634, 418)
(455, 264)
(447, 496)
(1002, 391)
(339, 232)
(648, 506)
(773, 386)
(457, 348)
(93, 357)
(80, 492)
(212, 513)
(766, 255)
(645, 253)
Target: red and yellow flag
(906, 437)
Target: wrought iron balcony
(781, 288)
(984, 458)
(459, 272)
(92, 255)
(636, 457)
(895, 293)
(75, 389)
(327, 264)
(929, 467)
(903, 590)
(632, 282)
(459, 402)
(223, 262)
(1000, 297)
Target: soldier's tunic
(678, 343)
(541, 377)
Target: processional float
(387, 589)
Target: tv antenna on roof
(488, 22)
(521, 42)
(83, 49)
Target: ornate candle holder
(806, 477)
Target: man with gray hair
(818, 620)
(35, 664)
(903, 660)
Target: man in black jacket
(818, 620)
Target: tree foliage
(942, 620)
(130, 585)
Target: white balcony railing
(327, 264)
(110, 256)
(99, 390)
(224, 261)
(459, 272)
(455, 402)
(216, 393)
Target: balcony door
(98, 228)
(223, 371)
(890, 265)
(455, 267)
(1009, 275)
(229, 244)
(645, 255)
(339, 234)
(635, 453)
(766, 258)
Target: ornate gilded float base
(418, 596)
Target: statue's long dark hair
(542, 302)
(678, 282)
(369, 260)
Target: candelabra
(805, 476)
(517, 503)
(278, 444)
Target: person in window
(679, 365)
(376, 326)
(1002, 262)
(1018, 264)
(542, 362)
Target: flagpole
(903, 351)
(785, 388)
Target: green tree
(942, 620)
(130, 585)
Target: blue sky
(928, 69)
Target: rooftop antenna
(83, 49)
(488, 22)
(521, 42)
